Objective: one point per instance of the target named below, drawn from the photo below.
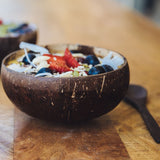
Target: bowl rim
(56, 78)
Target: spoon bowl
(137, 92)
(137, 96)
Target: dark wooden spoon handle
(151, 124)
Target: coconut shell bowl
(66, 99)
(11, 34)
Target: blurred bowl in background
(11, 34)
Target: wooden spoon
(137, 97)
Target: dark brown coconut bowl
(68, 99)
(10, 44)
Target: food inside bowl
(12, 29)
(39, 62)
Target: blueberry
(91, 59)
(74, 51)
(25, 30)
(44, 70)
(96, 70)
(31, 57)
(107, 68)
(19, 27)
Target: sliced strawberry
(70, 60)
(58, 63)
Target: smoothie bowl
(12, 33)
(65, 82)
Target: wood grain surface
(35, 139)
(6, 127)
(105, 24)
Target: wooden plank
(6, 126)
(38, 140)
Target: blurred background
(59, 18)
(149, 8)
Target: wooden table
(105, 24)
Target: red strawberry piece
(1, 22)
(58, 63)
(70, 60)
